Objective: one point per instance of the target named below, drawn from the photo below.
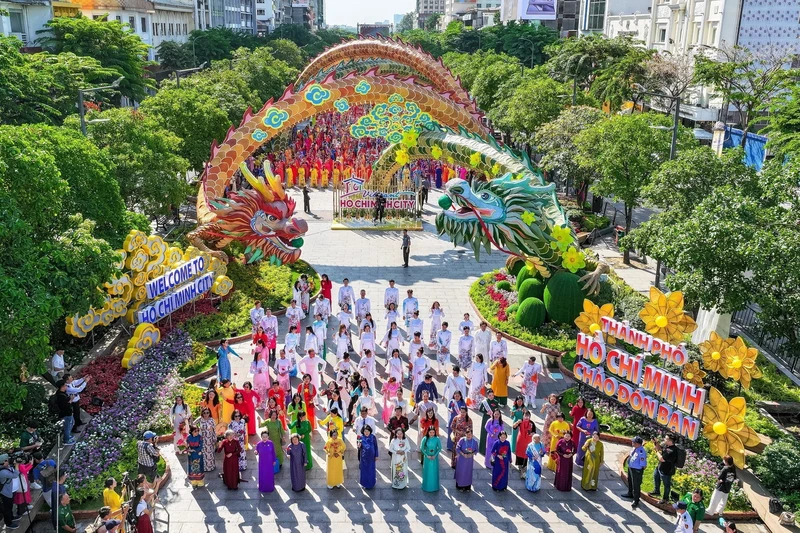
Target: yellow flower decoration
(693, 374)
(664, 318)
(496, 169)
(563, 237)
(573, 260)
(724, 427)
(475, 159)
(451, 160)
(436, 152)
(589, 321)
(740, 363)
(713, 351)
(401, 157)
(410, 138)
(528, 218)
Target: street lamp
(194, 40)
(82, 111)
(187, 71)
(533, 47)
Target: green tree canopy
(624, 152)
(195, 117)
(114, 44)
(783, 127)
(265, 74)
(51, 262)
(147, 170)
(406, 23)
(495, 79)
(173, 55)
(229, 88)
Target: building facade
(265, 17)
(172, 21)
(426, 8)
(138, 14)
(23, 18)
(560, 15)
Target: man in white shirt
(498, 348)
(364, 420)
(346, 294)
(57, 364)
(466, 323)
(363, 306)
(483, 340)
(419, 368)
(684, 522)
(410, 304)
(391, 295)
(256, 314)
(366, 367)
(455, 382)
(74, 389)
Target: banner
(537, 10)
(354, 196)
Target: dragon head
(261, 218)
(515, 214)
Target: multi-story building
(480, 17)
(426, 8)
(137, 14)
(454, 9)
(319, 13)
(172, 21)
(265, 17)
(23, 18)
(627, 17)
(561, 15)
(303, 13)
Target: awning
(702, 135)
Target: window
(186, 29)
(163, 28)
(662, 34)
(171, 28)
(144, 24)
(17, 23)
(261, 12)
(155, 29)
(119, 18)
(713, 33)
(696, 33)
(596, 15)
(132, 23)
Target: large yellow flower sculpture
(724, 427)
(589, 321)
(573, 260)
(693, 374)
(740, 363)
(664, 318)
(713, 351)
(401, 157)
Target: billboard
(536, 10)
(301, 3)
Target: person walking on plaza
(533, 473)
(430, 448)
(297, 453)
(500, 455)
(565, 451)
(694, 507)
(334, 449)
(406, 247)
(592, 461)
(725, 480)
(223, 363)
(230, 463)
(306, 200)
(530, 382)
(367, 456)
(667, 455)
(265, 450)
(637, 462)
(391, 295)
(683, 523)
(400, 448)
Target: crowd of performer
(383, 379)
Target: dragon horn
(256, 183)
(273, 181)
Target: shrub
(202, 359)
(34, 408)
(531, 313)
(511, 310)
(778, 466)
(503, 285)
(531, 288)
(563, 297)
(106, 374)
(591, 222)
(523, 274)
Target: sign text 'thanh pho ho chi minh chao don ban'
(650, 390)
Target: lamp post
(194, 40)
(82, 111)
(673, 144)
(187, 71)
(533, 47)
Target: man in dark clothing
(65, 411)
(406, 247)
(380, 206)
(667, 457)
(427, 385)
(306, 199)
(396, 422)
(423, 193)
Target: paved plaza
(437, 272)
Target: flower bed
(492, 303)
(106, 375)
(111, 431)
(270, 284)
(203, 358)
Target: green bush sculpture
(563, 298)
(531, 314)
(531, 288)
(514, 264)
(511, 310)
(503, 285)
(523, 274)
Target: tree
(750, 81)
(288, 52)
(195, 117)
(467, 67)
(114, 44)
(526, 42)
(173, 55)
(783, 123)
(428, 41)
(432, 22)
(406, 23)
(149, 173)
(624, 152)
(534, 102)
(669, 74)
(263, 73)
(555, 139)
(51, 262)
(491, 81)
(615, 82)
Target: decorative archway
(273, 232)
(456, 148)
(385, 51)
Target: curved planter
(541, 349)
(564, 370)
(737, 516)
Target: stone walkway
(437, 272)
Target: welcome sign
(647, 389)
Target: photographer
(148, 456)
(7, 476)
(667, 457)
(74, 389)
(44, 473)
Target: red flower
(499, 276)
(106, 374)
